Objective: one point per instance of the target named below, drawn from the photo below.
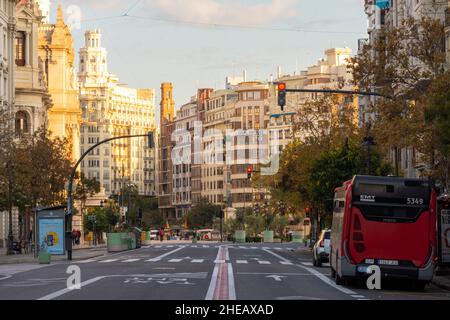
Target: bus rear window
(385, 212)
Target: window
(22, 124)
(20, 48)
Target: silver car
(321, 249)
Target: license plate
(388, 262)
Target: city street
(196, 272)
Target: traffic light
(308, 212)
(282, 95)
(249, 172)
(151, 140)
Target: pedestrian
(78, 237)
(161, 234)
(74, 237)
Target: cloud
(233, 12)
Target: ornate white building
(110, 110)
(32, 99)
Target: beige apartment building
(111, 110)
(182, 157)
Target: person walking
(161, 234)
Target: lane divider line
(158, 258)
(212, 284)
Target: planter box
(117, 242)
(268, 236)
(240, 236)
(44, 257)
(296, 237)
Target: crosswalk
(186, 260)
(216, 246)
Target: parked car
(321, 249)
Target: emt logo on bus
(366, 198)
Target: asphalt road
(196, 272)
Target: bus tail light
(358, 237)
(321, 243)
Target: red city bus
(384, 221)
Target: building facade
(110, 110)
(58, 56)
(32, 99)
(165, 166)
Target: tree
(254, 224)
(202, 214)
(401, 63)
(85, 188)
(279, 224)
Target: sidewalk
(79, 253)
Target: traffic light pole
(72, 178)
(350, 92)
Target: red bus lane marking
(221, 291)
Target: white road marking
(193, 246)
(231, 288)
(219, 261)
(242, 261)
(197, 261)
(263, 262)
(158, 247)
(163, 255)
(242, 247)
(212, 284)
(278, 248)
(286, 262)
(169, 246)
(66, 290)
(131, 260)
(319, 275)
(175, 260)
(357, 296)
(309, 264)
(205, 246)
(107, 261)
(254, 247)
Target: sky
(198, 43)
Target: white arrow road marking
(164, 255)
(275, 277)
(319, 275)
